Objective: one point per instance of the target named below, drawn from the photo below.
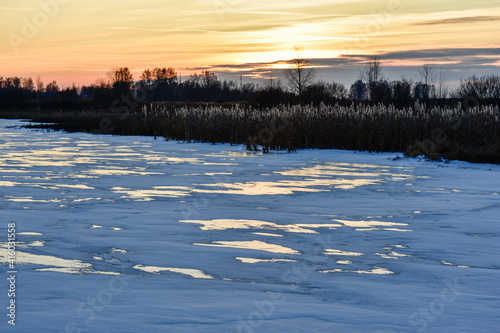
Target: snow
(132, 234)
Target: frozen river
(132, 234)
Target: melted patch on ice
(60, 265)
(254, 260)
(31, 199)
(225, 224)
(344, 262)
(36, 243)
(155, 192)
(372, 225)
(252, 245)
(342, 253)
(329, 169)
(113, 250)
(376, 271)
(392, 255)
(195, 273)
(120, 172)
(285, 187)
(74, 271)
(266, 234)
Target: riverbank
(471, 135)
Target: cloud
(456, 64)
(186, 31)
(461, 20)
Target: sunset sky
(78, 41)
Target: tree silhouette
(373, 71)
(372, 74)
(427, 78)
(120, 80)
(299, 75)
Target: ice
(253, 245)
(195, 273)
(133, 234)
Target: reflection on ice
(342, 253)
(285, 187)
(372, 225)
(30, 199)
(119, 172)
(308, 179)
(376, 271)
(156, 192)
(266, 234)
(252, 245)
(74, 271)
(225, 224)
(344, 262)
(58, 264)
(392, 255)
(196, 273)
(254, 261)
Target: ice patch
(225, 224)
(195, 273)
(344, 262)
(342, 253)
(155, 192)
(376, 271)
(252, 245)
(372, 225)
(266, 234)
(60, 265)
(254, 261)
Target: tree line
(165, 84)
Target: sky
(76, 41)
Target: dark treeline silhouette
(119, 89)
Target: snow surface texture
(132, 234)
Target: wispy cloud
(461, 20)
(188, 31)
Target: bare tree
(442, 89)
(373, 71)
(39, 85)
(427, 78)
(300, 74)
(39, 89)
(377, 87)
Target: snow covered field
(132, 234)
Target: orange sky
(78, 41)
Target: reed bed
(458, 133)
(471, 134)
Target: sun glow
(81, 41)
